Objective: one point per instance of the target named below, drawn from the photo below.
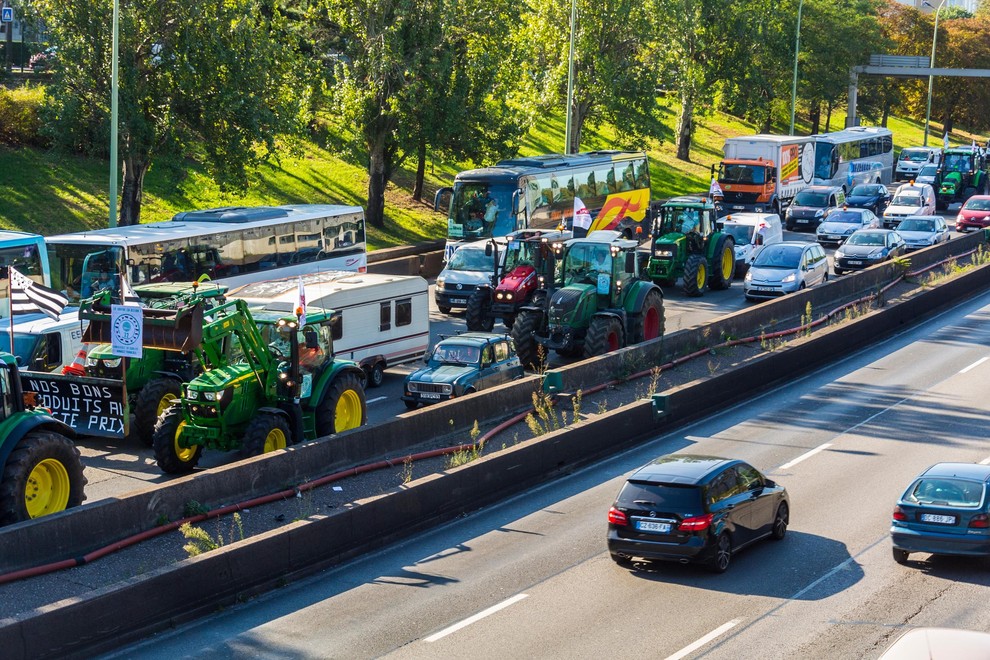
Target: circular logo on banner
(126, 329)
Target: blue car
(944, 512)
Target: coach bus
(539, 192)
(860, 154)
(236, 245)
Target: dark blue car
(873, 196)
(944, 512)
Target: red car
(974, 214)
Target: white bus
(231, 245)
(861, 154)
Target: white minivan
(912, 159)
(751, 231)
(910, 199)
(467, 269)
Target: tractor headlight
(113, 363)
(508, 296)
(211, 396)
(665, 253)
(499, 295)
(191, 394)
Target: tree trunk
(886, 114)
(828, 117)
(377, 181)
(130, 194)
(815, 115)
(420, 170)
(581, 112)
(685, 125)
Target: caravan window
(403, 312)
(386, 317)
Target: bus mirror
(439, 197)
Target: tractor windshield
(679, 219)
(586, 261)
(520, 253)
(957, 163)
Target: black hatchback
(694, 509)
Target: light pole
(931, 65)
(570, 81)
(797, 49)
(113, 117)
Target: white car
(751, 231)
(911, 160)
(469, 267)
(921, 231)
(910, 199)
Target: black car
(873, 196)
(867, 247)
(694, 509)
(812, 205)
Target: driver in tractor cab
(311, 353)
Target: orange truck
(762, 173)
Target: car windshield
(906, 200)
(864, 191)
(779, 256)
(456, 353)
(977, 205)
(805, 198)
(866, 238)
(846, 217)
(915, 156)
(741, 234)
(471, 259)
(945, 491)
(928, 170)
(916, 224)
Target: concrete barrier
(81, 530)
(115, 615)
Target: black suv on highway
(812, 205)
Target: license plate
(936, 518)
(739, 208)
(429, 395)
(802, 221)
(761, 288)
(652, 526)
(833, 238)
(853, 262)
(458, 301)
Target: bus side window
(628, 178)
(604, 181)
(643, 174)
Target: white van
(467, 269)
(910, 199)
(44, 344)
(751, 231)
(380, 320)
(912, 159)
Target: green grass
(50, 193)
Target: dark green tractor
(268, 381)
(40, 469)
(599, 303)
(687, 244)
(962, 174)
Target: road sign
(7, 16)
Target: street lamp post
(113, 117)
(931, 65)
(797, 49)
(570, 81)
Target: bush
(20, 124)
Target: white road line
(807, 454)
(975, 364)
(377, 398)
(985, 461)
(718, 632)
(477, 617)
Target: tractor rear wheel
(524, 337)
(344, 406)
(695, 275)
(650, 324)
(478, 314)
(266, 433)
(154, 398)
(43, 475)
(604, 336)
(173, 458)
(723, 263)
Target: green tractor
(268, 381)
(598, 303)
(153, 381)
(962, 174)
(40, 468)
(688, 244)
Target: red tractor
(527, 269)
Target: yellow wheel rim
(47, 488)
(184, 454)
(166, 401)
(728, 261)
(701, 277)
(347, 415)
(274, 440)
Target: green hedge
(20, 123)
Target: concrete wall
(157, 600)
(81, 530)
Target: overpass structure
(900, 66)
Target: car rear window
(945, 491)
(671, 497)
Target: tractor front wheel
(266, 433)
(43, 475)
(604, 336)
(723, 263)
(695, 275)
(343, 408)
(154, 398)
(478, 314)
(524, 337)
(172, 457)
(650, 324)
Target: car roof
(473, 338)
(938, 644)
(822, 188)
(965, 470)
(681, 468)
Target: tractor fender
(25, 425)
(275, 411)
(634, 302)
(169, 374)
(614, 313)
(330, 375)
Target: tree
(219, 76)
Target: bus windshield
(480, 210)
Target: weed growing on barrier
(770, 344)
(544, 418)
(193, 508)
(576, 405)
(903, 263)
(602, 406)
(465, 456)
(407, 470)
(304, 505)
(806, 319)
(654, 382)
(200, 541)
(713, 367)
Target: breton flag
(715, 189)
(29, 297)
(582, 219)
(301, 304)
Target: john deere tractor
(687, 244)
(529, 265)
(597, 304)
(962, 174)
(155, 379)
(40, 468)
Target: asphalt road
(530, 577)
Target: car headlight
(839, 254)
(819, 213)
(849, 231)
(960, 217)
(820, 230)
(440, 282)
(788, 213)
(788, 278)
(748, 277)
(876, 254)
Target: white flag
(715, 189)
(582, 219)
(127, 293)
(301, 304)
(945, 140)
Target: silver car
(927, 174)
(784, 268)
(921, 231)
(841, 223)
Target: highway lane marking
(477, 617)
(718, 632)
(377, 398)
(807, 454)
(975, 364)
